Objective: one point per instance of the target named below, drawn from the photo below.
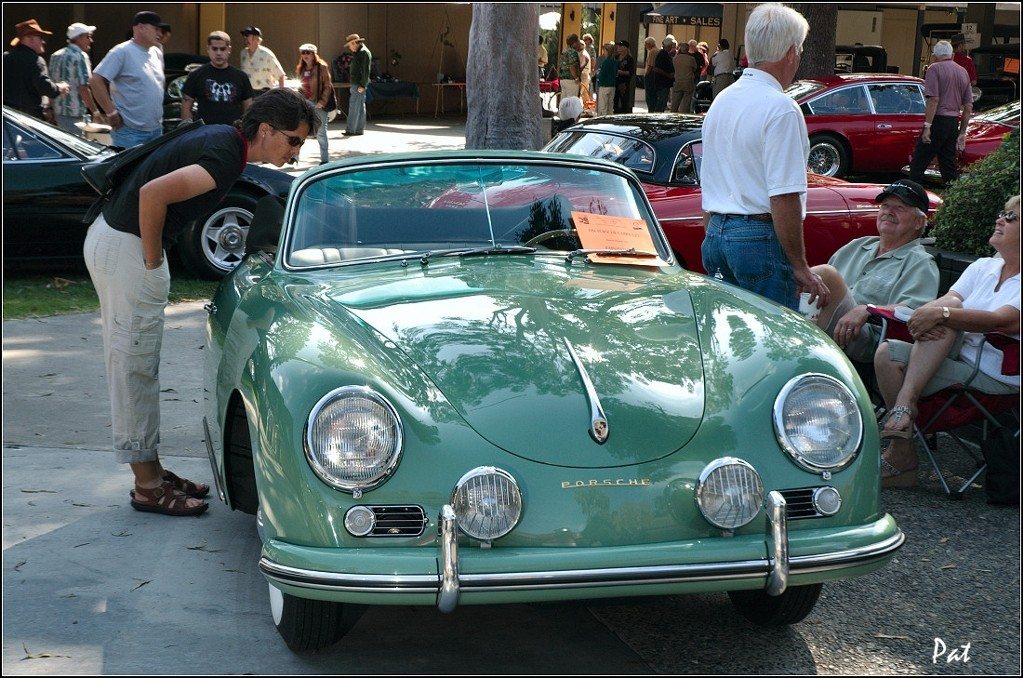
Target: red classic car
(860, 122)
(665, 151)
(984, 134)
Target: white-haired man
(949, 106)
(755, 149)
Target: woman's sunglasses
(305, 51)
(1008, 215)
(294, 141)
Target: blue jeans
(744, 251)
(129, 137)
(356, 112)
(321, 136)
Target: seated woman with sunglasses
(124, 252)
(986, 298)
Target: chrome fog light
(827, 500)
(360, 521)
(729, 493)
(487, 503)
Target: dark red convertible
(665, 151)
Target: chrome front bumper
(450, 583)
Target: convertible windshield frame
(403, 209)
(636, 154)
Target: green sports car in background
(477, 377)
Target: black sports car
(46, 198)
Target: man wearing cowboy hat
(72, 65)
(358, 71)
(26, 78)
(259, 63)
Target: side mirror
(267, 222)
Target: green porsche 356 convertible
(476, 377)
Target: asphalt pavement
(92, 587)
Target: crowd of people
(753, 239)
(126, 89)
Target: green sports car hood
(494, 334)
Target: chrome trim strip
(778, 579)
(213, 460)
(447, 596)
(565, 579)
(599, 429)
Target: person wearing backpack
(146, 212)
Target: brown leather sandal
(165, 499)
(196, 490)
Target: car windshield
(635, 154)
(803, 88)
(1006, 115)
(41, 130)
(412, 209)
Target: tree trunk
(502, 91)
(819, 49)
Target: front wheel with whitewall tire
(308, 625)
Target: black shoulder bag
(106, 174)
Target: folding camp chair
(958, 405)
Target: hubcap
(823, 160)
(223, 237)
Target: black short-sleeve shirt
(219, 149)
(219, 93)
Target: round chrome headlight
(487, 503)
(353, 438)
(730, 493)
(818, 423)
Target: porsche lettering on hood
(495, 345)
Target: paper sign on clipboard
(603, 232)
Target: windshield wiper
(477, 251)
(631, 252)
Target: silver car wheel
(824, 159)
(223, 237)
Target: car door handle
(882, 125)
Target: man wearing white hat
(72, 65)
(358, 71)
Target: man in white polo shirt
(753, 175)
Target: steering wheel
(547, 235)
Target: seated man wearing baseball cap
(259, 63)
(887, 270)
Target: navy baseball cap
(909, 192)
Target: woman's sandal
(195, 490)
(896, 477)
(895, 416)
(165, 499)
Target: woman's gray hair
(771, 29)
(1012, 202)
